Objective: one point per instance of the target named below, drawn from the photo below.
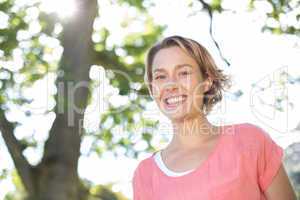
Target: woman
(203, 161)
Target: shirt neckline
(202, 165)
(165, 169)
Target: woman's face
(177, 83)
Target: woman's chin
(180, 113)
(175, 114)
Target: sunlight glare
(64, 9)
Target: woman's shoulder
(251, 132)
(144, 165)
(143, 173)
(249, 136)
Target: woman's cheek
(188, 82)
(155, 90)
(195, 94)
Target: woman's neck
(193, 132)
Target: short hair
(205, 62)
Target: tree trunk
(57, 174)
(56, 177)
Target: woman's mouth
(174, 101)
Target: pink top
(242, 166)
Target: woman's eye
(159, 77)
(184, 73)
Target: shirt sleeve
(136, 185)
(269, 160)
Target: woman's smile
(172, 102)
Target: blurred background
(75, 115)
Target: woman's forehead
(178, 66)
(172, 57)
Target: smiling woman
(203, 161)
(195, 68)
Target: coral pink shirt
(242, 166)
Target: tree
(89, 191)
(55, 175)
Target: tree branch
(297, 127)
(14, 147)
(209, 10)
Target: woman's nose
(171, 85)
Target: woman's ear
(207, 84)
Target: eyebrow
(176, 67)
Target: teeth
(173, 100)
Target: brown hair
(205, 62)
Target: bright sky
(254, 57)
